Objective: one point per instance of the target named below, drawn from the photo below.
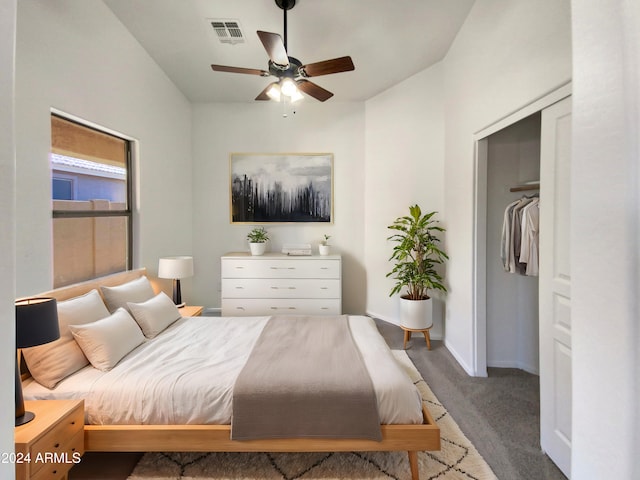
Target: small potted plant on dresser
(416, 255)
(324, 248)
(258, 238)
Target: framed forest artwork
(281, 187)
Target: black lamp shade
(36, 322)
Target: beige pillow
(155, 314)
(107, 341)
(136, 291)
(52, 362)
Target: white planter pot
(257, 248)
(324, 249)
(416, 314)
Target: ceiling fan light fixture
(288, 87)
(296, 96)
(274, 92)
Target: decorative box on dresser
(281, 284)
(50, 444)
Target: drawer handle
(292, 308)
(324, 268)
(239, 288)
(324, 288)
(282, 268)
(284, 288)
(239, 308)
(324, 308)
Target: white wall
(605, 257)
(7, 238)
(404, 165)
(508, 53)
(219, 129)
(75, 56)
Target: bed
(405, 423)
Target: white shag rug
(457, 460)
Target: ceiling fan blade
(275, 48)
(336, 65)
(250, 71)
(263, 94)
(314, 90)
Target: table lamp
(36, 324)
(176, 268)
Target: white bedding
(186, 375)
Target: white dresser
(277, 284)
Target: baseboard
(383, 317)
(458, 358)
(518, 365)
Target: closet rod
(522, 188)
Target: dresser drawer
(237, 307)
(280, 268)
(56, 443)
(280, 288)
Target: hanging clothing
(519, 240)
(505, 243)
(529, 236)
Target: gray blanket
(305, 378)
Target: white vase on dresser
(278, 284)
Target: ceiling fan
(292, 75)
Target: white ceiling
(388, 40)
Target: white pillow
(155, 314)
(52, 362)
(136, 291)
(107, 341)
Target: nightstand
(49, 445)
(191, 311)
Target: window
(91, 202)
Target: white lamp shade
(175, 267)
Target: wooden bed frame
(217, 438)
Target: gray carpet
(499, 414)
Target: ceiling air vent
(228, 31)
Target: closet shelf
(526, 186)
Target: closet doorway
(524, 321)
(513, 177)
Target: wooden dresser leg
(413, 463)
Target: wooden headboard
(77, 289)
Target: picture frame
(281, 188)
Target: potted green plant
(324, 248)
(258, 238)
(416, 255)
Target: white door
(555, 284)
